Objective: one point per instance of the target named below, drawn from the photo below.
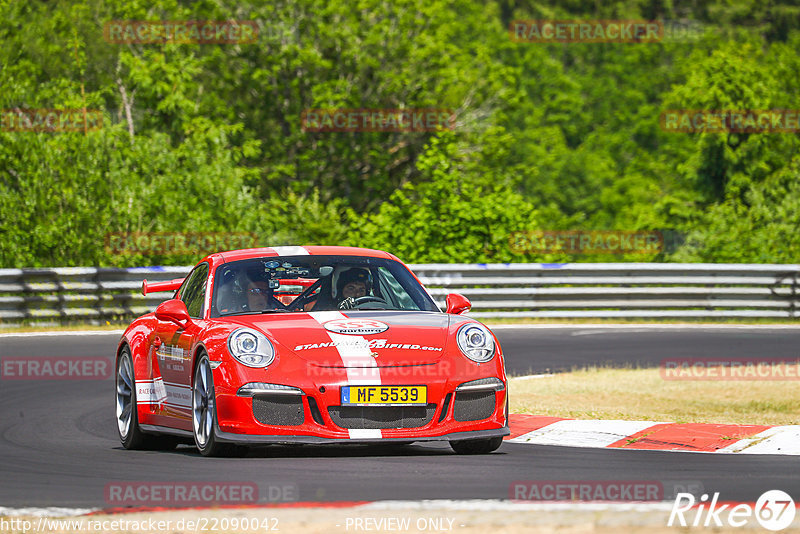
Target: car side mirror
(457, 303)
(173, 311)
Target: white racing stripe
(360, 367)
(365, 433)
(290, 251)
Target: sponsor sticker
(369, 344)
(356, 327)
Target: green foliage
(762, 227)
(452, 216)
(208, 138)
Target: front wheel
(476, 446)
(130, 435)
(204, 413)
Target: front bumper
(318, 416)
(249, 439)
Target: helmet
(355, 274)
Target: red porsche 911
(299, 345)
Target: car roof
(244, 254)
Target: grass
(642, 395)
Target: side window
(193, 291)
(394, 290)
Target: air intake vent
(382, 416)
(314, 409)
(473, 406)
(278, 410)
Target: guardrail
(588, 290)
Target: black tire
(476, 446)
(203, 408)
(130, 435)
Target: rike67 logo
(774, 510)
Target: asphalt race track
(541, 350)
(58, 444)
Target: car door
(171, 350)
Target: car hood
(389, 338)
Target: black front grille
(281, 410)
(445, 407)
(381, 416)
(316, 415)
(473, 406)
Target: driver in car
(260, 296)
(353, 283)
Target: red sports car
(307, 345)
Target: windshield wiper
(256, 312)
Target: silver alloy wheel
(203, 403)
(124, 395)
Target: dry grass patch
(641, 394)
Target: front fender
(136, 338)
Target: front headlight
(476, 342)
(250, 348)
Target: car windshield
(287, 284)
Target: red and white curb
(653, 435)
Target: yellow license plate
(384, 395)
